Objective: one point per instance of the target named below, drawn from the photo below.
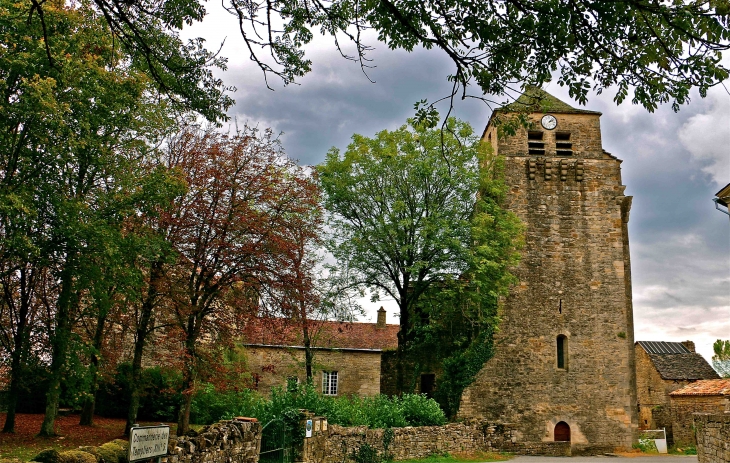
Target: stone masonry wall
(338, 443)
(358, 372)
(222, 442)
(683, 410)
(574, 282)
(653, 395)
(713, 438)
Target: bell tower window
(563, 145)
(535, 142)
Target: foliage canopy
(661, 50)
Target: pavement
(606, 459)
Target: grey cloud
(680, 245)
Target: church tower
(563, 368)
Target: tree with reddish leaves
(235, 231)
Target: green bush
(209, 406)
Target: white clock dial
(549, 121)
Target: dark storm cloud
(673, 165)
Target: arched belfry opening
(562, 432)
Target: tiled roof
(324, 334)
(705, 387)
(662, 347)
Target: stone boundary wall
(713, 438)
(223, 442)
(337, 442)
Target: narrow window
(535, 143)
(562, 345)
(560, 306)
(563, 145)
(562, 432)
(329, 382)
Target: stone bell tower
(563, 368)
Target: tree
(659, 51)
(406, 217)
(73, 132)
(721, 359)
(232, 233)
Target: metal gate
(275, 443)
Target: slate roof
(325, 334)
(674, 361)
(535, 99)
(705, 387)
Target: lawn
(24, 444)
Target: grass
(462, 458)
(24, 444)
(683, 450)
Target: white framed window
(329, 382)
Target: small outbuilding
(661, 368)
(705, 396)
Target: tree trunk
(308, 354)
(143, 329)
(87, 413)
(15, 378)
(183, 417)
(60, 342)
(20, 343)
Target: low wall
(713, 438)
(337, 442)
(222, 442)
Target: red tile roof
(324, 334)
(705, 387)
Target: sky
(674, 163)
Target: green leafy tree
(657, 51)
(407, 217)
(74, 132)
(721, 359)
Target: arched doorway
(562, 432)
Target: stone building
(704, 396)
(661, 368)
(347, 356)
(564, 363)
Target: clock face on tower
(549, 122)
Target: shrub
(375, 412)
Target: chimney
(381, 318)
(690, 345)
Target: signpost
(148, 442)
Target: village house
(703, 396)
(347, 356)
(661, 368)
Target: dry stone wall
(713, 438)
(224, 442)
(339, 444)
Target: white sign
(148, 442)
(308, 428)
